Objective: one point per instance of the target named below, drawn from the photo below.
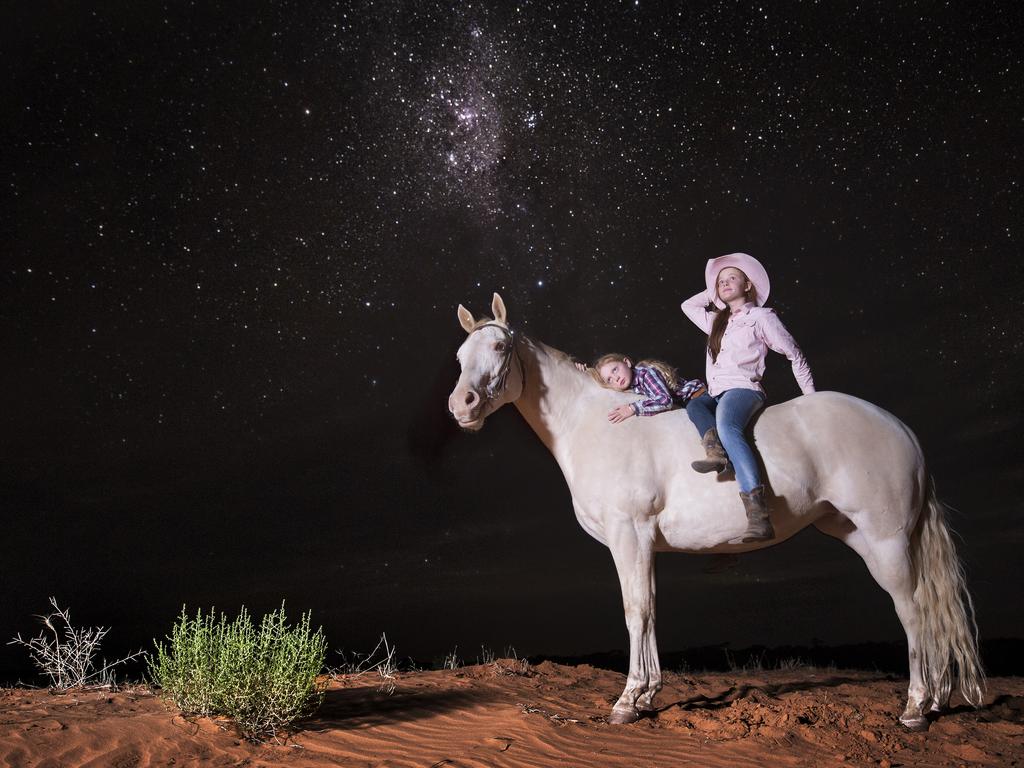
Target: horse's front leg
(633, 552)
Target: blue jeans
(730, 412)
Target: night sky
(235, 236)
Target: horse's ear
(498, 309)
(466, 319)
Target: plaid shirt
(658, 397)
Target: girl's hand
(711, 306)
(580, 366)
(621, 413)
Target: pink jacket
(751, 332)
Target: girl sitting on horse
(740, 333)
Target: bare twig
(71, 663)
(452, 660)
(386, 667)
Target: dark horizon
(236, 237)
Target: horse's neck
(551, 390)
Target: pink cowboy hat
(748, 265)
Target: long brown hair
(722, 318)
(668, 372)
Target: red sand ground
(551, 715)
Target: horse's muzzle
(465, 405)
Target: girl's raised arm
(695, 309)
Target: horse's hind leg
(888, 560)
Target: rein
(497, 385)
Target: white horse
(844, 465)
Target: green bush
(262, 678)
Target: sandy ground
(505, 714)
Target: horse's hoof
(623, 716)
(915, 723)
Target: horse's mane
(564, 359)
(557, 355)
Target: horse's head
(492, 372)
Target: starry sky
(235, 235)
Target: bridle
(497, 384)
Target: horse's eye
(500, 346)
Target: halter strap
(497, 384)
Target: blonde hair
(668, 372)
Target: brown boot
(759, 526)
(716, 460)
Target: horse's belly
(712, 515)
(701, 525)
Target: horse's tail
(945, 611)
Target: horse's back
(843, 450)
